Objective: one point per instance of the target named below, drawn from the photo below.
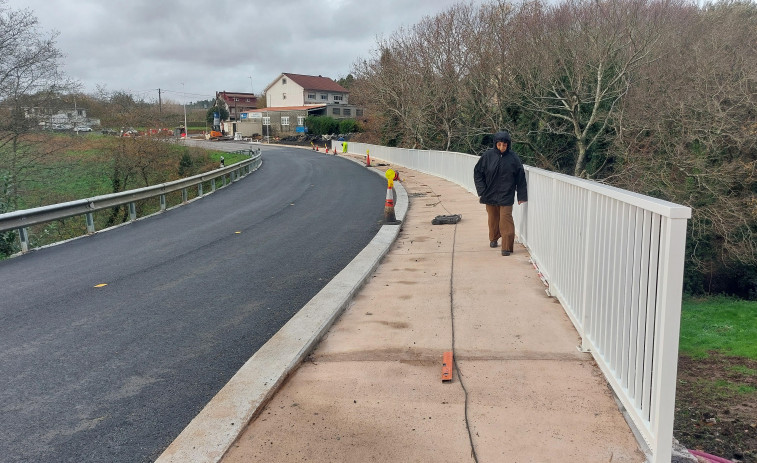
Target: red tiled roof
(229, 96)
(286, 108)
(316, 83)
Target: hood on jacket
(502, 136)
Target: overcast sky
(209, 45)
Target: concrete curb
(210, 434)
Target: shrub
(348, 126)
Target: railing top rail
(11, 220)
(659, 206)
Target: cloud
(142, 45)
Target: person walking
(498, 176)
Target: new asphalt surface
(115, 373)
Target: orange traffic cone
(389, 217)
(368, 159)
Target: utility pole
(184, 100)
(160, 103)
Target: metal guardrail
(614, 259)
(21, 220)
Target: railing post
(162, 202)
(224, 179)
(132, 211)
(183, 195)
(90, 222)
(668, 330)
(199, 189)
(212, 185)
(23, 236)
(588, 276)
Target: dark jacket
(499, 175)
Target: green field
(86, 173)
(719, 324)
(69, 168)
(716, 394)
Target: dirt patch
(716, 406)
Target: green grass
(746, 371)
(228, 158)
(721, 388)
(725, 325)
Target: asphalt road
(115, 373)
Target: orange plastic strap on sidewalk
(447, 363)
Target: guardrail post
(224, 179)
(132, 211)
(199, 189)
(90, 223)
(213, 185)
(183, 195)
(23, 236)
(162, 202)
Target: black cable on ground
(452, 316)
(454, 355)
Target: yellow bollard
(389, 217)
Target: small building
(237, 102)
(281, 121)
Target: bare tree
(573, 62)
(689, 133)
(29, 80)
(415, 79)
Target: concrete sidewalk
(372, 389)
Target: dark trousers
(501, 225)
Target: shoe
(493, 244)
(505, 253)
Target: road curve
(115, 373)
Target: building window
(247, 100)
(284, 120)
(336, 111)
(266, 120)
(300, 120)
(284, 81)
(324, 96)
(311, 96)
(347, 112)
(283, 96)
(236, 99)
(359, 112)
(337, 97)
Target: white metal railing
(614, 259)
(22, 219)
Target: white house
(61, 118)
(299, 90)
